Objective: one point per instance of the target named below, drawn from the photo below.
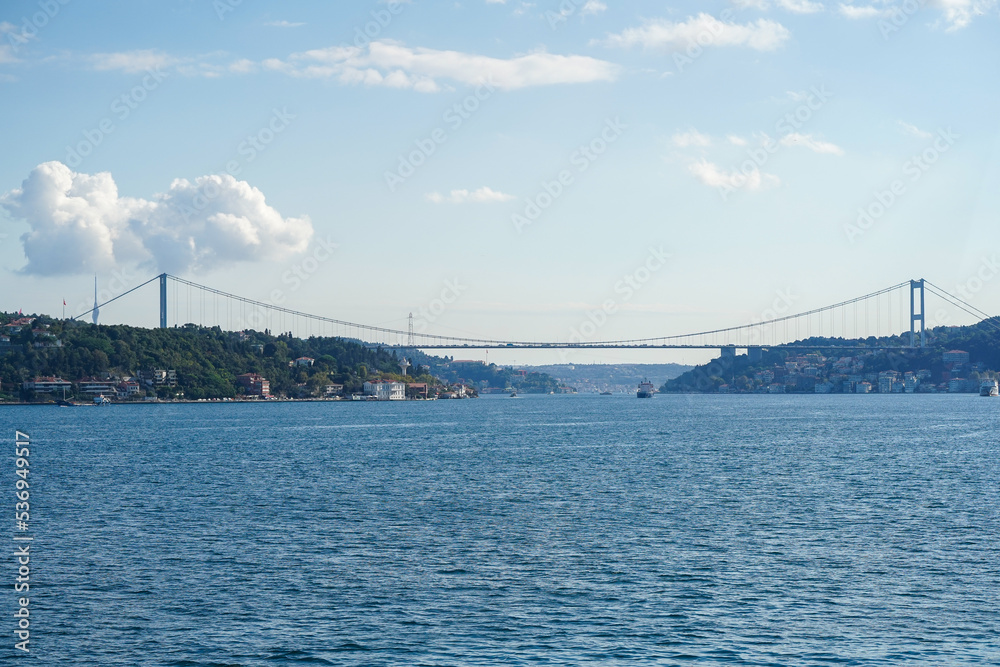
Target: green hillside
(797, 371)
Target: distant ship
(645, 390)
(606, 393)
(989, 388)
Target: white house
(47, 385)
(384, 390)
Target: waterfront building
(92, 385)
(47, 385)
(385, 390)
(254, 384)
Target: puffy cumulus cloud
(385, 63)
(483, 195)
(80, 224)
(704, 30)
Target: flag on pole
(64, 302)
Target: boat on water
(102, 400)
(606, 393)
(513, 394)
(989, 388)
(645, 390)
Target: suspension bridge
(887, 314)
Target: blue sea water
(551, 530)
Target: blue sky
(426, 141)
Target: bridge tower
(914, 315)
(163, 301)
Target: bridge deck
(599, 346)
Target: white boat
(989, 388)
(645, 390)
(101, 400)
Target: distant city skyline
(500, 168)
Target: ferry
(989, 388)
(645, 389)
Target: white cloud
(132, 61)
(80, 224)
(691, 138)
(801, 6)
(913, 130)
(7, 54)
(385, 63)
(856, 12)
(661, 34)
(735, 140)
(480, 196)
(810, 142)
(959, 13)
(14, 35)
(243, 66)
(711, 175)
(794, 6)
(592, 8)
(283, 24)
